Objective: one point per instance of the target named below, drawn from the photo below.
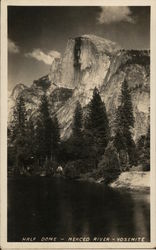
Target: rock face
(86, 61)
(133, 180)
(90, 61)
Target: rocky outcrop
(132, 180)
(90, 61)
(133, 66)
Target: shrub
(73, 169)
(70, 170)
(50, 166)
(109, 166)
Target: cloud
(112, 14)
(12, 47)
(39, 55)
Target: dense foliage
(143, 151)
(31, 145)
(109, 166)
(47, 133)
(35, 147)
(18, 144)
(124, 124)
(97, 129)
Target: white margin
(3, 152)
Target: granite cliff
(90, 61)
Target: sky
(37, 35)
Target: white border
(4, 3)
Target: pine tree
(47, 133)
(126, 118)
(31, 150)
(18, 134)
(143, 150)
(77, 141)
(109, 165)
(44, 131)
(125, 123)
(18, 125)
(39, 142)
(144, 156)
(147, 150)
(77, 121)
(97, 125)
(56, 136)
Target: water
(54, 209)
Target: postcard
(78, 144)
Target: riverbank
(127, 180)
(132, 180)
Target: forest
(36, 148)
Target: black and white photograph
(78, 124)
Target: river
(55, 209)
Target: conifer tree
(18, 133)
(31, 150)
(56, 136)
(143, 150)
(125, 123)
(18, 125)
(39, 142)
(77, 121)
(47, 133)
(147, 150)
(109, 165)
(77, 141)
(44, 131)
(97, 125)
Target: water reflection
(60, 208)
